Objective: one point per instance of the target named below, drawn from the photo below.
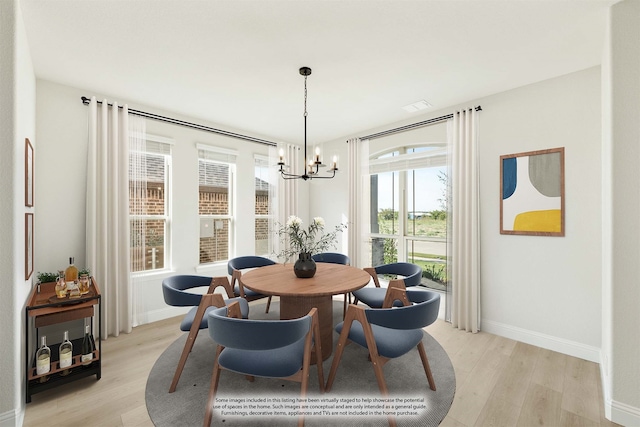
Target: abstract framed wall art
(532, 193)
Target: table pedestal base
(296, 307)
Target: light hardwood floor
(500, 382)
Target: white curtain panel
(288, 188)
(464, 250)
(358, 230)
(274, 200)
(107, 218)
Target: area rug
(354, 399)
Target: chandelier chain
(305, 96)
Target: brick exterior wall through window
(212, 201)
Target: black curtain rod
(86, 101)
(413, 126)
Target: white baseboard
(623, 414)
(549, 342)
(12, 418)
(619, 413)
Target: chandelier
(312, 165)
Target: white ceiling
(235, 63)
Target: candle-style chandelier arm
(308, 175)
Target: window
(263, 188)
(408, 210)
(149, 195)
(216, 183)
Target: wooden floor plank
(498, 413)
(541, 407)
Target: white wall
(17, 121)
(621, 137)
(545, 290)
(61, 165)
(540, 290)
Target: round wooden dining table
(298, 296)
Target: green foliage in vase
(295, 240)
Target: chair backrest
(248, 334)
(423, 311)
(250, 261)
(332, 257)
(412, 272)
(174, 287)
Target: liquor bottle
(71, 273)
(66, 354)
(87, 348)
(43, 358)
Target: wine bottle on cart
(71, 273)
(87, 347)
(66, 354)
(43, 358)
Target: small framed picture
(532, 193)
(28, 173)
(28, 245)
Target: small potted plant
(47, 277)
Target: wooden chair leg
(215, 377)
(207, 300)
(304, 380)
(315, 325)
(191, 338)
(425, 364)
(352, 313)
(336, 360)
(268, 304)
(344, 305)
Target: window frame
(263, 161)
(405, 160)
(162, 144)
(218, 155)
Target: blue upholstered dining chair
(374, 296)
(332, 257)
(388, 333)
(235, 267)
(335, 258)
(175, 291)
(263, 348)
